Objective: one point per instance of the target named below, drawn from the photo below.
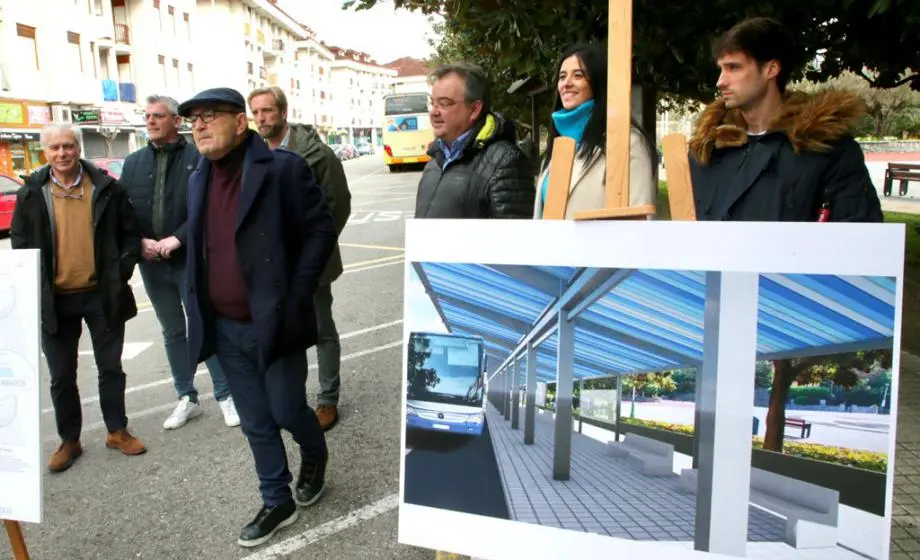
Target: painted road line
(364, 246)
(368, 176)
(147, 307)
(328, 529)
(400, 261)
(369, 202)
(202, 370)
(130, 351)
(360, 264)
(132, 416)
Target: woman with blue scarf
(580, 113)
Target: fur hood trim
(811, 122)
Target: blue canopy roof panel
(652, 320)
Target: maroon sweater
(225, 275)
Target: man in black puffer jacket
(476, 168)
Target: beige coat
(586, 190)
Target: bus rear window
(406, 104)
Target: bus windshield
(445, 369)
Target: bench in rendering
(801, 424)
(657, 457)
(903, 173)
(810, 510)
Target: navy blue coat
(284, 236)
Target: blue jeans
(269, 401)
(166, 287)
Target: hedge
(869, 460)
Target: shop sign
(11, 113)
(18, 136)
(39, 114)
(86, 116)
(110, 116)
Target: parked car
(365, 149)
(112, 166)
(8, 187)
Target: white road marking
(363, 177)
(314, 534)
(400, 261)
(205, 396)
(203, 370)
(367, 202)
(130, 351)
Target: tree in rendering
(840, 368)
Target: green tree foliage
(843, 369)
(671, 38)
(884, 105)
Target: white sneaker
(231, 418)
(185, 411)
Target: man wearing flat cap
(259, 236)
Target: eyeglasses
(206, 116)
(442, 102)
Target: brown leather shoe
(123, 441)
(66, 454)
(328, 415)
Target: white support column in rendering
(725, 405)
(565, 364)
(506, 395)
(530, 409)
(619, 406)
(516, 394)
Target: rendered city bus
(445, 383)
(407, 129)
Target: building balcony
(122, 34)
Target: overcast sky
(383, 32)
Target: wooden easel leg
(17, 541)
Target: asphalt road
(455, 472)
(189, 496)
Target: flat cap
(222, 95)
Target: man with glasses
(259, 236)
(156, 178)
(476, 169)
(83, 223)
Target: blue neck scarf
(570, 123)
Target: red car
(8, 187)
(112, 166)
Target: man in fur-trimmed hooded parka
(760, 153)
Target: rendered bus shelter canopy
(640, 321)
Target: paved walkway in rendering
(610, 496)
(905, 527)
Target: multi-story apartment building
(246, 44)
(411, 75)
(359, 84)
(95, 61)
(313, 68)
(64, 61)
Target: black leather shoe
(267, 521)
(311, 482)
